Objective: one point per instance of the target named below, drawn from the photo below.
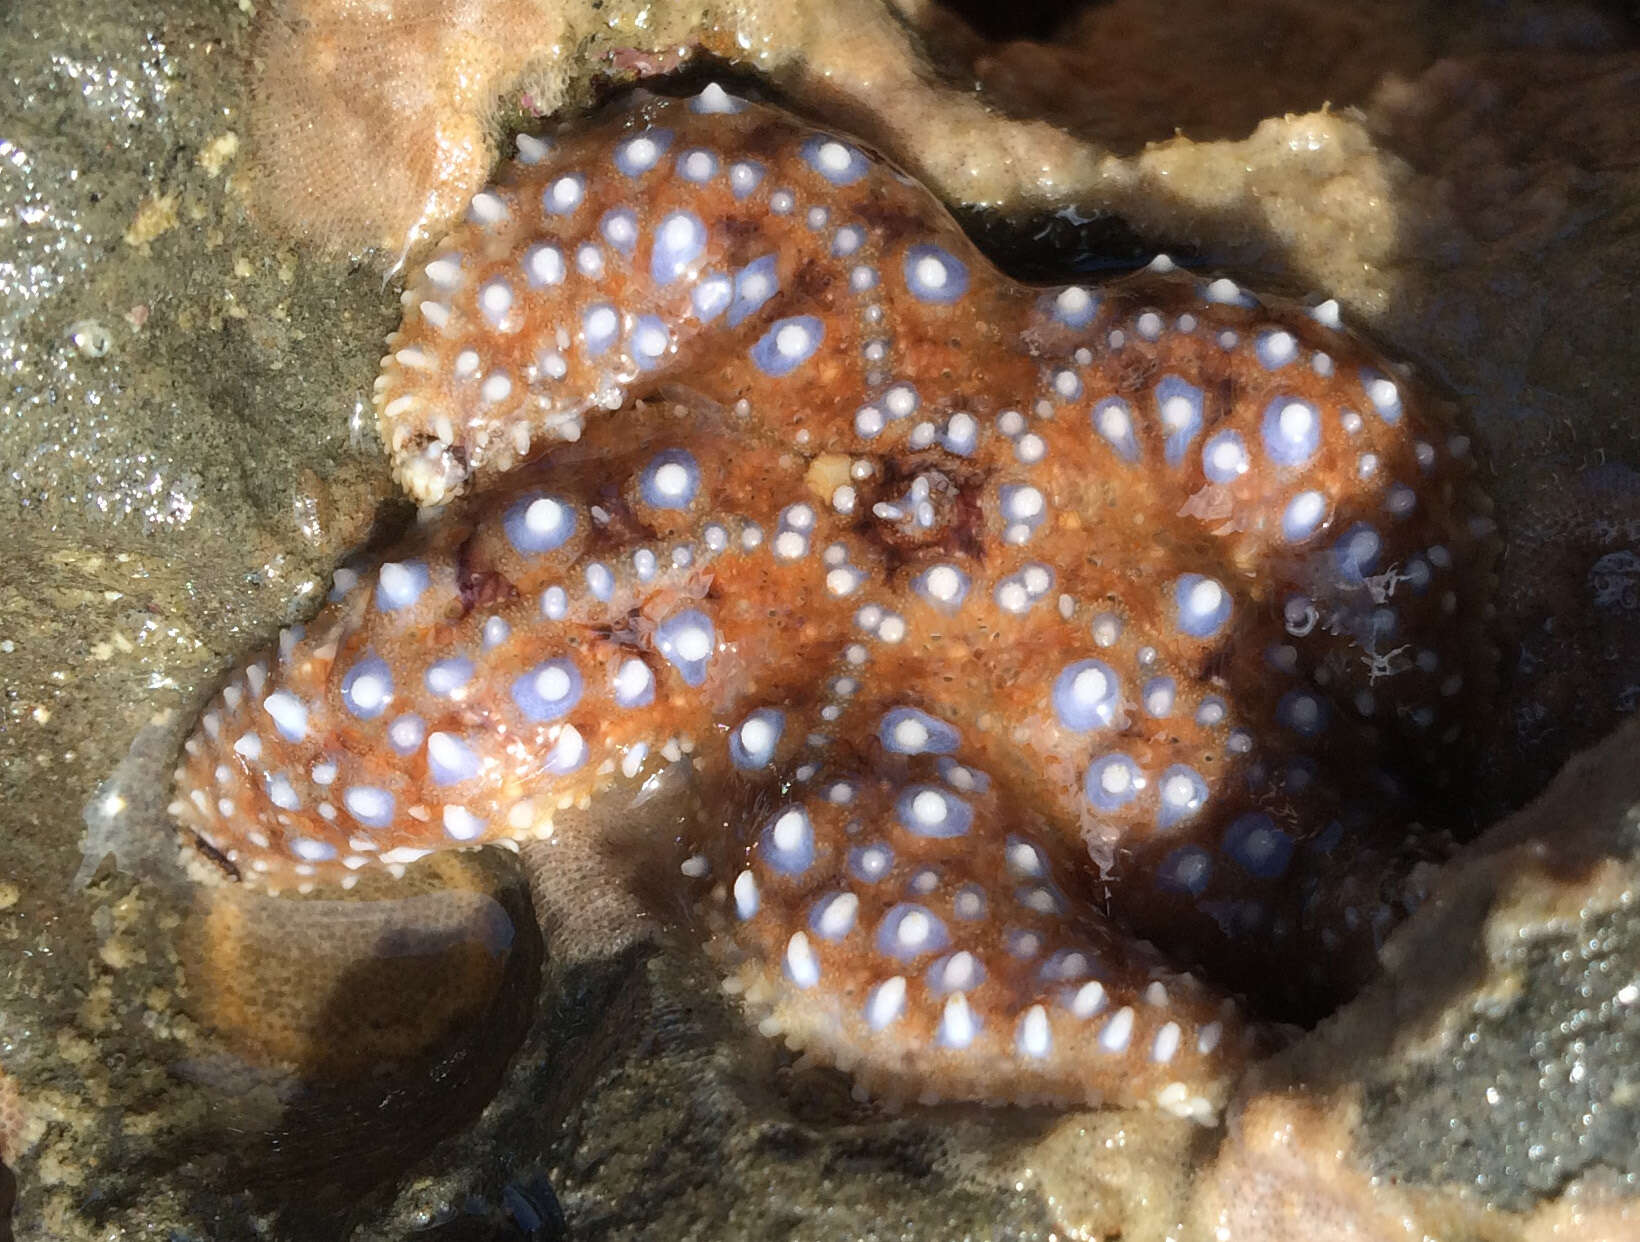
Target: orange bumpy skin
(1033, 647)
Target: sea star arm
(515, 655)
(909, 918)
(705, 242)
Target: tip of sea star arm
(918, 936)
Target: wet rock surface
(1540, 922)
(1484, 1085)
(644, 1080)
(185, 438)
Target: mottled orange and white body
(1033, 647)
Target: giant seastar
(1031, 647)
